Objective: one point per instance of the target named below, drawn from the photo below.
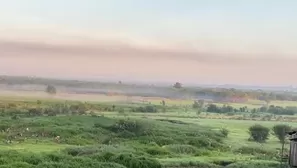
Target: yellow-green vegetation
(56, 133)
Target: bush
(132, 161)
(181, 149)
(53, 165)
(110, 165)
(17, 165)
(33, 159)
(191, 164)
(121, 111)
(133, 126)
(213, 108)
(200, 142)
(259, 133)
(254, 151)
(280, 131)
(156, 151)
(160, 140)
(253, 164)
(15, 117)
(225, 132)
(146, 109)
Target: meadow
(89, 131)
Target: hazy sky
(191, 41)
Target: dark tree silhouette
(259, 133)
(280, 131)
(177, 85)
(51, 89)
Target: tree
(201, 103)
(195, 105)
(198, 104)
(177, 85)
(51, 89)
(213, 108)
(259, 133)
(280, 131)
(163, 103)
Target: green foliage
(280, 131)
(181, 149)
(259, 133)
(196, 104)
(15, 117)
(213, 108)
(132, 161)
(191, 164)
(253, 164)
(278, 110)
(156, 151)
(225, 132)
(133, 126)
(121, 111)
(255, 151)
(18, 165)
(146, 109)
(125, 139)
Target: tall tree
(177, 85)
(51, 90)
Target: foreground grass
(170, 139)
(238, 128)
(35, 148)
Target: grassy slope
(237, 138)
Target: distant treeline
(247, 94)
(276, 110)
(216, 94)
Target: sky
(190, 41)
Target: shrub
(17, 165)
(53, 165)
(133, 126)
(160, 140)
(121, 111)
(33, 159)
(156, 151)
(73, 151)
(280, 131)
(93, 114)
(196, 105)
(55, 157)
(110, 165)
(213, 108)
(259, 133)
(132, 161)
(253, 164)
(203, 152)
(200, 142)
(254, 151)
(225, 132)
(191, 164)
(146, 109)
(181, 149)
(15, 117)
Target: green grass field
(175, 138)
